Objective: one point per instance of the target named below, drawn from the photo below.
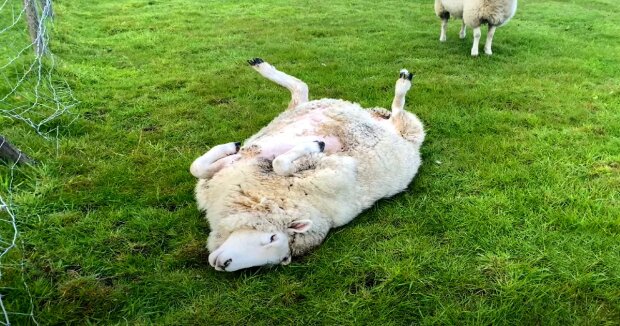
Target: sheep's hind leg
(204, 167)
(298, 89)
(463, 31)
(283, 163)
(403, 84)
(405, 123)
(489, 41)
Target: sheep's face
(249, 248)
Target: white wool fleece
(330, 190)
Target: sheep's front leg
(489, 42)
(283, 163)
(204, 167)
(476, 45)
(218, 165)
(298, 89)
(444, 27)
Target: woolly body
(314, 167)
(477, 12)
(375, 161)
(474, 13)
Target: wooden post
(33, 26)
(10, 153)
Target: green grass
(514, 217)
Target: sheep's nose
(225, 264)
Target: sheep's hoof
(321, 145)
(404, 74)
(255, 61)
(237, 147)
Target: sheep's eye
(273, 238)
(285, 259)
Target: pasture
(514, 217)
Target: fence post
(10, 153)
(33, 27)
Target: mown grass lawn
(514, 217)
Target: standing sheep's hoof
(442, 38)
(255, 61)
(488, 51)
(404, 74)
(474, 53)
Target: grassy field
(514, 217)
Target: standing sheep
(314, 167)
(474, 13)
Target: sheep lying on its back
(314, 167)
(475, 13)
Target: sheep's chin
(251, 248)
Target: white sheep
(314, 167)
(474, 13)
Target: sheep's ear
(300, 226)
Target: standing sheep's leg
(403, 84)
(463, 31)
(444, 27)
(298, 89)
(200, 168)
(474, 48)
(489, 41)
(283, 163)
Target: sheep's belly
(305, 128)
(455, 8)
(511, 13)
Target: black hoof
(237, 146)
(406, 75)
(321, 145)
(255, 61)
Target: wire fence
(29, 91)
(33, 96)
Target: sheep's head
(249, 247)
